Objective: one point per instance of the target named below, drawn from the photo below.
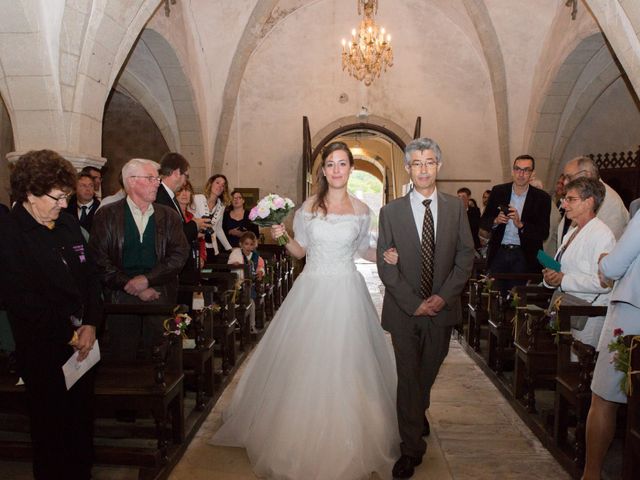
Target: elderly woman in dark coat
(52, 296)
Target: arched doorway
(377, 150)
(379, 156)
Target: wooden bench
(573, 383)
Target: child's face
(247, 246)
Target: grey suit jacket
(453, 261)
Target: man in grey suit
(431, 234)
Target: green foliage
(364, 182)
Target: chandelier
(369, 52)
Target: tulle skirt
(318, 397)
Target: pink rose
(278, 202)
(253, 214)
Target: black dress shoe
(405, 466)
(426, 429)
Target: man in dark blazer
(174, 171)
(84, 203)
(517, 216)
(420, 320)
(473, 214)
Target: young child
(246, 254)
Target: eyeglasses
(150, 178)
(571, 199)
(61, 198)
(575, 175)
(427, 164)
(526, 170)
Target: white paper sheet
(73, 369)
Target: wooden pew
(225, 325)
(198, 362)
(631, 464)
(152, 388)
(273, 256)
(479, 302)
(573, 383)
(535, 355)
(502, 310)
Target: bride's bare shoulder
(359, 207)
(307, 205)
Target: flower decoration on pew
(621, 358)
(551, 314)
(178, 324)
(272, 210)
(487, 281)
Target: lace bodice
(332, 241)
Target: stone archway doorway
(377, 150)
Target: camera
(504, 209)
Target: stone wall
(127, 132)
(6, 146)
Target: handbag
(578, 322)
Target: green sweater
(138, 257)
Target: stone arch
(259, 23)
(497, 73)
(584, 74)
(388, 171)
(6, 146)
(155, 77)
(620, 23)
(112, 29)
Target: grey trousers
(420, 348)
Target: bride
(317, 399)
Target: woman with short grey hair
(578, 255)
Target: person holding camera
(517, 215)
(211, 205)
(235, 222)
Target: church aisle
(475, 434)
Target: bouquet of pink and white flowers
(271, 210)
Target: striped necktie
(427, 250)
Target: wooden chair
(573, 382)
(631, 465)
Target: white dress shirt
(418, 210)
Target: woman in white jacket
(212, 205)
(579, 253)
(622, 264)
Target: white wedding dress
(318, 397)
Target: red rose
(617, 332)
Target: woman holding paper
(579, 253)
(52, 297)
